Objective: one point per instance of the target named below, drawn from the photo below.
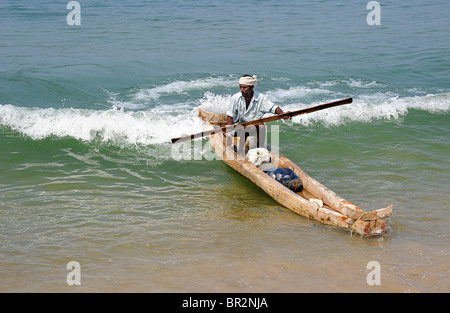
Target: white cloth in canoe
(260, 157)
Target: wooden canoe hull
(335, 210)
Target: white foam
(161, 123)
(215, 103)
(351, 82)
(362, 84)
(113, 125)
(180, 87)
(121, 104)
(144, 125)
(295, 93)
(367, 108)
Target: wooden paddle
(229, 128)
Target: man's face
(246, 90)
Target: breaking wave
(139, 121)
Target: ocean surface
(87, 169)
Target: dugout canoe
(315, 201)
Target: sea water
(87, 171)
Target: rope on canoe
(365, 219)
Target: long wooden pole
(229, 128)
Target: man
(249, 105)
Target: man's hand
(280, 111)
(287, 117)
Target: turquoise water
(87, 168)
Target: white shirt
(259, 105)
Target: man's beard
(246, 94)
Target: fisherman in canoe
(313, 200)
(248, 105)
